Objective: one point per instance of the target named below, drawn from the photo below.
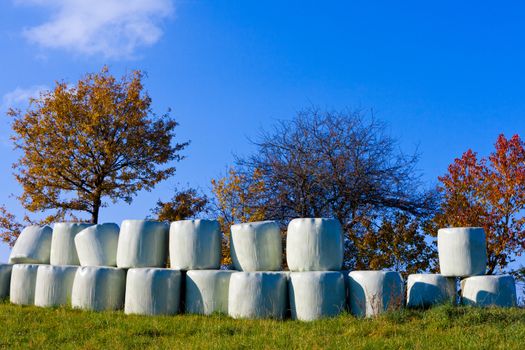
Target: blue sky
(444, 76)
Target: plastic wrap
(97, 245)
(195, 244)
(314, 245)
(425, 290)
(258, 295)
(5, 280)
(63, 250)
(315, 295)
(489, 291)
(462, 251)
(54, 285)
(374, 292)
(152, 291)
(23, 280)
(98, 288)
(207, 291)
(142, 243)
(256, 246)
(32, 246)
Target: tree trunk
(96, 208)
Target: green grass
(443, 327)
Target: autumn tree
(89, 142)
(184, 204)
(489, 193)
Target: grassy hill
(442, 327)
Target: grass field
(443, 327)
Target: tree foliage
(184, 204)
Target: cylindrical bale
(54, 285)
(98, 288)
(374, 292)
(427, 289)
(142, 243)
(316, 294)
(5, 280)
(255, 295)
(33, 246)
(23, 280)
(195, 244)
(97, 245)
(207, 291)
(256, 246)
(489, 291)
(63, 250)
(462, 251)
(314, 245)
(152, 291)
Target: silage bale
(195, 244)
(462, 251)
(256, 295)
(427, 289)
(152, 291)
(374, 292)
(207, 291)
(54, 285)
(142, 243)
(98, 288)
(256, 246)
(314, 244)
(316, 294)
(63, 250)
(32, 246)
(5, 280)
(97, 245)
(489, 291)
(23, 280)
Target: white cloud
(19, 97)
(110, 28)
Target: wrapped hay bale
(5, 280)
(256, 246)
(142, 243)
(425, 290)
(314, 245)
(54, 285)
(195, 244)
(207, 291)
(462, 251)
(63, 250)
(97, 245)
(489, 291)
(374, 292)
(316, 294)
(23, 280)
(32, 246)
(152, 291)
(255, 295)
(98, 288)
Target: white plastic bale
(256, 295)
(317, 294)
(489, 291)
(374, 292)
(195, 244)
(207, 291)
(152, 291)
(97, 245)
(23, 280)
(5, 280)
(32, 246)
(256, 246)
(54, 285)
(142, 243)
(63, 250)
(462, 251)
(425, 290)
(314, 245)
(98, 288)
